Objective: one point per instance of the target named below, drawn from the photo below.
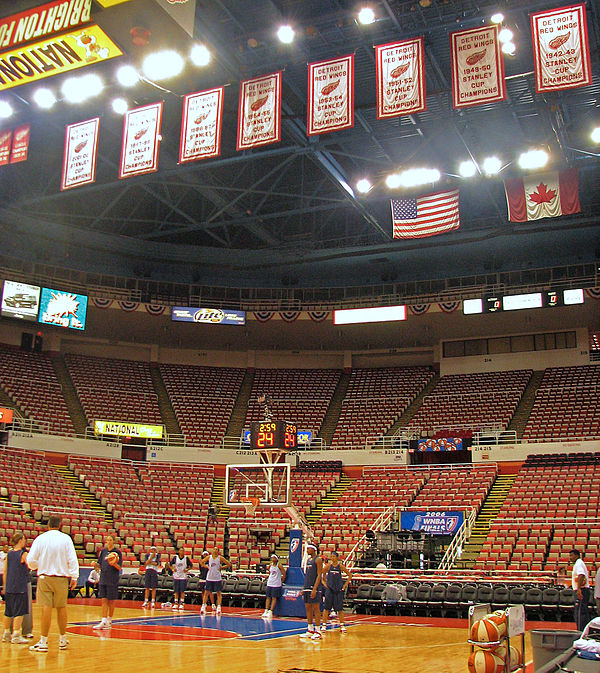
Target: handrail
(380, 523)
(456, 545)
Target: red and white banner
(201, 125)
(79, 162)
(5, 145)
(477, 67)
(330, 95)
(561, 51)
(20, 144)
(259, 112)
(400, 78)
(141, 136)
(536, 196)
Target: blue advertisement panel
(304, 436)
(209, 316)
(432, 523)
(64, 309)
(442, 444)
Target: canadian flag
(542, 195)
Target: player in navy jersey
(153, 567)
(16, 579)
(110, 560)
(312, 592)
(335, 589)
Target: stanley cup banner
(561, 50)
(330, 95)
(20, 144)
(79, 162)
(141, 135)
(201, 125)
(477, 67)
(5, 145)
(259, 112)
(400, 78)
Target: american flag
(427, 215)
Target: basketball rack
(515, 628)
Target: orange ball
(487, 631)
(484, 661)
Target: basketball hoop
(250, 505)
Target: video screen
(20, 300)
(63, 309)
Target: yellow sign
(55, 55)
(122, 429)
(111, 3)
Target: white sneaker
(323, 627)
(307, 634)
(103, 624)
(152, 605)
(214, 607)
(203, 610)
(265, 613)
(18, 640)
(316, 636)
(39, 647)
(218, 609)
(343, 628)
(269, 614)
(145, 604)
(181, 606)
(175, 606)
(6, 637)
(63, 643)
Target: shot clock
(273, 435)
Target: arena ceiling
(289, 214)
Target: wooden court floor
(160, 641)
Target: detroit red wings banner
(400, 78)
(259, 112)
(477, 67)
(79, 162)
(141, 136)
(20, 144)
(330, 95)
(561, 51)
(5, 145)
(201, 125)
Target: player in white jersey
(179, 566)
(274, 583)
(214, 583)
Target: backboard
(270, 483)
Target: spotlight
(492, 165)
(128, 76)
(44, 98)
(595, 135)
(533, 159)
(162, 65)
(498, 17)
(286, 34)
(505, 35)
(467, 169)
(78, 89)
(509, 48)
(366, 16)
(5, 109)
(393, 181)
(200, 55)
(419, 176)
(120, 106)
(364, 186)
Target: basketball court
(240, 641)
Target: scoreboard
(273, 435)
(516, 302)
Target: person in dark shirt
(16, 578)
(312, 592)
(335, 588)
(110, 560)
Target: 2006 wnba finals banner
(400, 78)
(259, 114)
(560, 48)
(477, 67)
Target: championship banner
(330, 95)
(259, 112)
(141, 135)
(201, 125)
(55, 56)
(51, 18)
(477, 67)
(79, 162)
(432, 523)
(20, 144)
(400, 78)
(5, 145)
(561, 51)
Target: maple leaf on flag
(543, 194)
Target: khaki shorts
(52, 592)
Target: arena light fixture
(509, 48)
(78, 89)
(413, 177)
(120, 106)
(491, 165)
(505, 35)
(393, 181)
(286, 34)
(128, 76)
(366, 16)
(5, 109)
(364, 186)
(533, 159)
(200, 55)
(498, 17)
(467, 169)
(163, 65)
(595, 135)
(44, 98)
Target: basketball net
(250, 505)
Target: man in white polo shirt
(53, 555)
(580, 581)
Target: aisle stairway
(240, 408)
(523, 411)
(72, 400)
(91, 501)
(413, 407)
(332, 415)
(217, 497)
(167, 412)
(488, 512)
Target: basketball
(141, 569)
(515, 656)
(487, 630)
(484, 661)
(499, 618)
(112, 558)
